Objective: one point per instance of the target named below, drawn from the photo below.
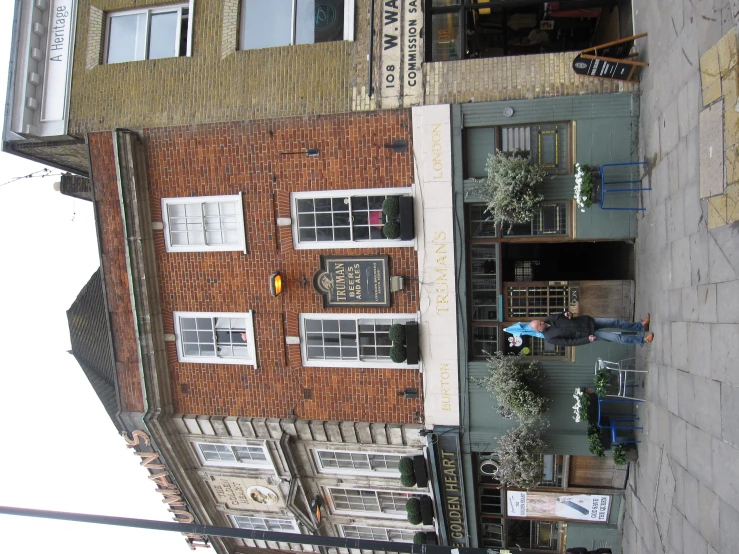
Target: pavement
(683, 491)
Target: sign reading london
(353, 281)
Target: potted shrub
(510, 188)
(406, 467)
(595, 441)
(398, 211)
(520, 461)
(587, 185)
(413, 511)
(619, 455)
(419, 470)
(419, 538)
(427, 510)
(515, 382)
(405, 342)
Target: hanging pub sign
(353, 281)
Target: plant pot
(419, 468)
(427, 510)
(431, 538)
(411, 342)
(407, 225)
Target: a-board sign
(614, 50)
(606, 69)
(353, 281)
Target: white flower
(583, 211)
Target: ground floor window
(464, 29)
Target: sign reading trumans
(452, 490)
(141, 442)
(353, 281)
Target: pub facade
(567, 258)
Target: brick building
(260, 407)
(81, 66)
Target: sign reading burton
(353, 281)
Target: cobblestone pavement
(683, 493)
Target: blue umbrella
(520, 329)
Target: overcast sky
(60, 449)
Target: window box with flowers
(587, 186)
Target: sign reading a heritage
(450, 475)
(353, 281)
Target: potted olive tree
(510, 188)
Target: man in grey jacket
(566, 330)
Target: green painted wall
(606, 131)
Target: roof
(92, 345)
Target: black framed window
(466, 29)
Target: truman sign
(432, 144)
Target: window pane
(319, 21)
(127, 38)
(445, 37)
(266, 24)
(163, 35)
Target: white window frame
(329, 245)
(401, 515)
(236, 198)
(350, 363)
(348, 471)
(348, 24)
(253, 464)
(248, 316)
(277, 517)
(190, 5)
(377, 529)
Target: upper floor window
(149, 33)
(339, 461)
(234, 455)
(220, 338)
(550, 221)
(379, 502)
(342, 219)
(377, 533)
(265, 524)
(203, 223)
(348, 340)
(287, 22)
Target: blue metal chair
(621, 181)
(614, 421)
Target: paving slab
(729, 429)
(712, 147)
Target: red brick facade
(228, 158)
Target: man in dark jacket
(566, 330)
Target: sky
(59, 449)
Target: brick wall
(108, 215)
(232, 157)
(512, 77)
(218, 83)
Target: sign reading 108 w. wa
(353, 281)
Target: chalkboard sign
(613, 60)
(620, 50)
(597, 67)
(353, 281)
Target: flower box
(412, 343)
(407, 225)
(427, 510)
(419, 468)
